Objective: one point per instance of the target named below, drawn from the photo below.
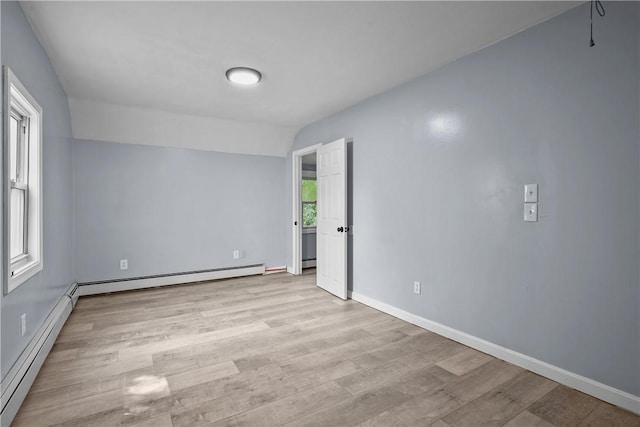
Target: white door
(332, 228)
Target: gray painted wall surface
(308, 246)
(1, 193)
(22, 52)
(438, 167)
(171, 210)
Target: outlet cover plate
(417, 288)
(531, 212)
(124, 264)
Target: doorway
(307, 154)
(309, 220)
(320, 210)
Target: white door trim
(296, 160)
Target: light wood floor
(275, 350)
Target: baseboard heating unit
(19, 379)
(132, 283)
(308, 263)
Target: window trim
(18, 270)
(21, 182)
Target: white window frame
(312, 176)
(18, 100)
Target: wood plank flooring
(275, 350)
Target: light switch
(531, 212)
(531, 193)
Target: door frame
(296, 160)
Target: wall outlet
(236, 254)
(124, 264)
(417, 288)
(23, 324)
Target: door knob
(346, 229)
(340, 229)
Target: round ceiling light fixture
(243, 75)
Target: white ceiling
(317, 58)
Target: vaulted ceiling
(163, 63)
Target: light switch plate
(531, 212)
(417, 288)
(531, 193)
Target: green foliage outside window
(309, 207)
(309, 214)
(309, 192)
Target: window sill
(23, 274)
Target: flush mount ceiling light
(243, 75)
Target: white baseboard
(19, 379)
(586, 385)
(290, 270)
(165, 280)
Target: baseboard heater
(142, 282)
(19, 379)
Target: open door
(332, 227)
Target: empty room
(349, 213)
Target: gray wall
(438, 167)
(308, 246)
(1, 197)
(170, 210)
(22, 52)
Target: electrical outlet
(124, 264)
(236, 254)
(417, 288)
(23, 324)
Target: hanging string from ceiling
(600, 9)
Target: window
(309, 204)
(23, 183)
